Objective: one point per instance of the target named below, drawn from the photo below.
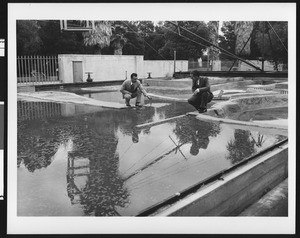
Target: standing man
(132, 88)
(201, 92)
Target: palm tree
(99, 37)
(213, 27)
(118, 39)
(243, 30)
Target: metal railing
(37, 69)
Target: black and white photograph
(2, 70)
(1, 150)
(151, 118)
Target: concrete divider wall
(164, 68)
(234, 107)
(268, 66)
(114, 67)
(104, 67)
(237, 190)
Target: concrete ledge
(280, 74)
(77, 85)
(174, 83)
(27, 88)
(234, 107)
(150, 124)
(279, 129)
(274, 203)
(237, 190)
(167, 98)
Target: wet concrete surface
(67, 97)
(265, 114)
(75, 160)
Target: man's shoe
(138, 105)
(202, 110)
(128, 105)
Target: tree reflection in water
(94, 139)
(38, 141)
(241, 147)
(246, 143)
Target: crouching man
(201, 92)
(132, 88)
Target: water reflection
(111, 168)
(93, 180)
(35, 110)
(130, 117)
(38, 141)
(94, 139)
(242, 145)
(246, 143)
(196, 132)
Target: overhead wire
(155, 147)
(220, 56)
(205, 40)
(155, 159)
(278, 37)
(121, 156)
(170, 167)
(165, 151)
(233, 55)
(198, 43)
(132, 30)
(185, 168)
(223, 51)
(143, 181)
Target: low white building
(74, 67)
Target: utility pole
(174, 62)
(263, 53)
(207, 62)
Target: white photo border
(155, 12)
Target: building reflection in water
(36, 110)
(93, 179)
(78, 172)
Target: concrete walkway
(65, 97)
(278, 126)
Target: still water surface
(89, 161)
